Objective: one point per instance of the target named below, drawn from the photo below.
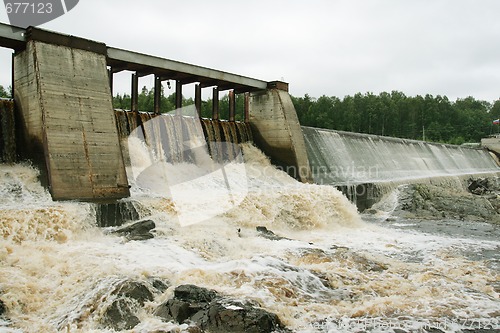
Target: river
(336, 270)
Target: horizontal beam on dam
(186, 73)
(119, 60)
(12, 37)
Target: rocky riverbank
(473, 199)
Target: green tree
(5, 93)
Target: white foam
(332, 267)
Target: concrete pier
(277, 131)
(63, 97)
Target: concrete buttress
(65, 106)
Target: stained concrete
(64, 103)
(276, 130)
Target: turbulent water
(337, 271)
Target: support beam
(12, 78)
(215, 104)
(178, 95)
(246, 108)
(110, 76)
(232, 104)
(15, 38)
(134, 94)
(12, 37)
(197, 99)
(157, 97)
(199, 74)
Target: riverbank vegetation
(431, 118)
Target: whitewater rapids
(335, 273)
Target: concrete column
(64, 100)
(232, 105)
(246, 108)
(134, 93)
(157, 96)
(215, 103)
(197, 99)
(276, 130)
(178, 94)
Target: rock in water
(215, 313)
(140, 230)
(266, 233)
(194, 293)
(128, 297)
(3, 308)
(478, 186)
(120, 315)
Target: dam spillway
(170, 135)
(345, 158)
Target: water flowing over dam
(168, 133)
(341, 158)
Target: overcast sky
(333, 48)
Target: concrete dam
(64, 121)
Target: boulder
(215, 313)
(3, 308)
(127, 297)
(266, 233)
(120, 315)
(478, 186)
(140, 230)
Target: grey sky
(333, 48)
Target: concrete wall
(7, 133)
(64, 104)
(277, 131)
(493, 145)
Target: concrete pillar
(232, 105)
(215, 103)
(246, 108)
(157, 95)
(64, 101)
(197, 99)
(276, 130)
(178, 95)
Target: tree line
(431, 118)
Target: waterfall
(169, 134)
(7, 132)
(342, 158)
